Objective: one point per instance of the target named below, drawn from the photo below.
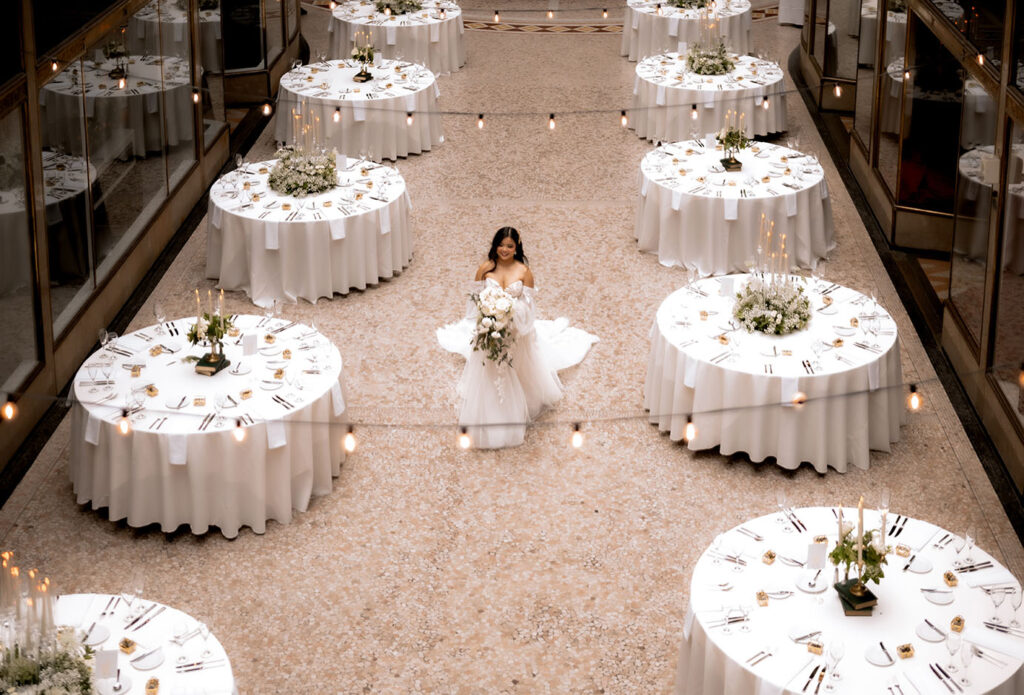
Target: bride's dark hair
(499, 236)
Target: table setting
(650, 28)
(975, 200)
(163, 27)
(769, 614)
(129, 105)
(393, 115)
(160, 437)
(821, 382)
(691, 212)
(429, 33)
(670, 100)
(276, 246)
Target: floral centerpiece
(393, 7)
(774, 308)
(732, 139)
(210, 326)
(364, 56)
(116, 51)
(689, 4)
(62, 668)
(846, 551)
(714, 60)
(300, 173)
(494, 330)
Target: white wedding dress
(499, 400)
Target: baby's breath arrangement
(61, 668)
(300, 173)
(689, 4)
(773, 308)
(399, 6)
(709, 61)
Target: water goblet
(111, 339)
(239, 161)
(160, 314)
(1016, 597)
(91, 369)
(953, 643)
(966, 545)
(998, 596)
(204, 632)
(104, 337)
(745, 609)
(138, 397)
(817, 347)
(780, 501)
(107, 368)
(966, 656)
(836, 651)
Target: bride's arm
(528, 278)
(484, 268)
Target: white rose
(496, 335)
(878, 543)
(487, 322)
(847, 527)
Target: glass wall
(19, 352)
(275, 29)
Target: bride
(505, 387)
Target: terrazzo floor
(532, 570)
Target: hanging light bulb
(350, 439)
(334, 5)
(121, 83)
(577, 436)
(337, 114)
(981, 59)
(838, 90)
(464, 441)
(799, 398)
(268, 108)
(1020, 377)
(239, 431)
(624, 119)
(551, 122)
(9, 411)
(914, 399)
(906, 74)
(604, 13)
(124, 425)
(497, 17)
(480, 121)
(657, 9)
(441, 14)
(690, 431)
(387, 10)
(408, 117)
(765, 104)
(54, 65)
(551, 14)
(195, 96)
(693, 112)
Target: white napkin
(152, 102)
(636, 18)
(390, 35)
(690, 373)
(659, 100)
(873, 376)
(731, 208)
(270, 235)
(410, 103)
(177, 449)
(408, 201)
(276, 437)
(337, 226)
(437, 90)
(215, 214)
(677, 198)
(673, 26)
(358, 110)
(707, 98)
(682, 47)
(90, 107)
(179, 31)
(337, 398)
(385, 220)
(996, 575)
(996, 641)
(435, 32)
(462, 28)
(789, 386)
(644, 182)
(636, 85)
(823, 189)
(790, 199)
(92, 429)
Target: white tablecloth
(740, 395)
(895, 34)
(646, 33)
(972, 227)
(134, 111)
(373, 117)
(81, 611)
(421, 37)
(174, 473)
(710, 221)
(664, 95)
(349, 237)
(979, 121)
(791, 12)
(712, 662)
(153, 31)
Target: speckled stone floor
(538, 569)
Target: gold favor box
(949, 578)
(957, 624)
(902, 550)
(246, 394)
(762, 599)
(815, 647)
(905, 651)
(768, 557)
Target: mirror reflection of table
(162, 28)
(651, 28)
(974, 199)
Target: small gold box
(768, 557)
(703, 315)
(949, 578)
(838, 342)
(199, 401)
(364, 172)
(287, 355)
(787, 353)
(152, 390)
(854, 322)
(701, 179)
(234, 332)
(327, 203)
(675, 160)
(732, 183)
(815, 647)
(246, 395)
(821, 539)
(369, 184)
(309, 78)
(787, 171)
(286, 206)
(269, 338)
(359, 196)
(905, 651)
(136, 370)
(682, 172)
(255, 197)
(755, 149)
(765, 179)
(902, 550)
(155, 350)
(827, 300)
(264, 170)
(762, 599)
(689, 152)
(153, 686)
(718, 147)
(723, 339)
(246, 185)
(126, 645)
(279, 374)
(784, 158)
(314, 70)
(957, 624)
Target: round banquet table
(351, 236)
(741, 394)
(713, 662)
(895, 34)
(133, 113)
(645, 32)
(422, 37)
(373, 115)
(979, 122)
(179, 663)
(180, 462)
(972, 230)
(709, 219)
(165, 30)
(665, 95)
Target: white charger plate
(150, 662)
(939, 599)
(877, 657)
(97, 636)
(921, 565)
(928, 634)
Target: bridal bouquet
(494, 323)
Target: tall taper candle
(840, 536)
(860, 531)
(220, 303)
(199, 307)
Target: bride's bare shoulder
(527, 276)
(484, 268)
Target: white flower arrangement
(773, 308)
(689, 4)
(399, 6)
(710, 61)
(299, 173)
(65, 668)
(494, 331)
(363, 54)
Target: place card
(249, 344)
(816, 555)
(105, 663)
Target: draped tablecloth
(715, 662)
(651, 28)
(135, 110)
(83, 611)
(165, 30)
(351, 236)
(979, 122)
(895, 34)
(694, 214)
(431, 36)
(180, 463)
(372, 116)
(791, 12)
(740, 394)
(972, 227)
(666, 96)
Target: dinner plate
(920, 565)
(844, 331)
(271, 386)
(240, 368)
(149, 662)
(928, 634)
(97, 636)
(942, 599)
(877, 657)
(274, 364)
(804, 583)
(828, 310)
(175, 402)
(270, 350)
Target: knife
(143, 613)
(936, 674)
(943, 672)
(910, 562)
(886, 652)
(142, 656)
(929, 624)
(801, 638)
(903, 525)
(821, 677)
(143, 623)
(892, 529)
(751, 534)
(811, 677)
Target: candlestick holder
(858, 588)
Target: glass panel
(845, 16)
(805, 31)
(1008, 358)
(17, 281)
(56, 20)
(211, 77)
(293, 18)
(984, 28)
(275, 30)
(125, 127)
(977, 174)
(931, 135)
(10, 49)
(176, 78)
(242, 32)
(1017, 73)
(820, 31)
(67, 176)
(895, 30)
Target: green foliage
(845, 553)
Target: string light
(693, 112)
(480, 122)
(914, 399)
(239, 432)
(497, 17)
(268, 108)
(334, 5)
(195, 96)
(658, 9)
(441, 14)
(690, 431)
(765, 104)
(906, 74)
(577, 436)
(54, 65)
(1020, 376)
(408, 117)
(624, 119)
(981, 59)
(838, 90)
(799, 398)
(551, 14)
(349, 441)
(337, 114)
(464, 441)
(551, 121)
(9, 411)
(121, 83)
(604, 13)
(124, 425)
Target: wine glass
(780, 501)
(239, 161)
(953, 643)
(91, 369)
(107, 368)
(836, 652)
(967, 545)
(204, 632)
(1016, 597)
(111, 339)
(745, 609)
(998, 596)
(160, 314)
(817, 347)
(104, 337)
(966, 656)
(138, 397)
(220, 402)
(716, 547)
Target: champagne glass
(716, 547)
(220, 402)
(1016, 597)
(107, 368)
(953, 643)
(816, 347)
(966, 656)
(160, 314)
(967, 544)
(836, 651)
(998, 596)
(91, 369)
(780, 501)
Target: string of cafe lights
(914, 401)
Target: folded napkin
(271, 241)
(673, 26)
(215, 214)
(276, 436)
(92, 429)
(337, 226)
(789, 385)
(358, 110)
(390, 35)
(994, 640)
(731, 208)
(410, 103)
(997, 574)
(677, 198)
(337, 398)
(873, 377)
(790, 204)
(659, 99)
(435, 32)
(177, 449)
(385, 220)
